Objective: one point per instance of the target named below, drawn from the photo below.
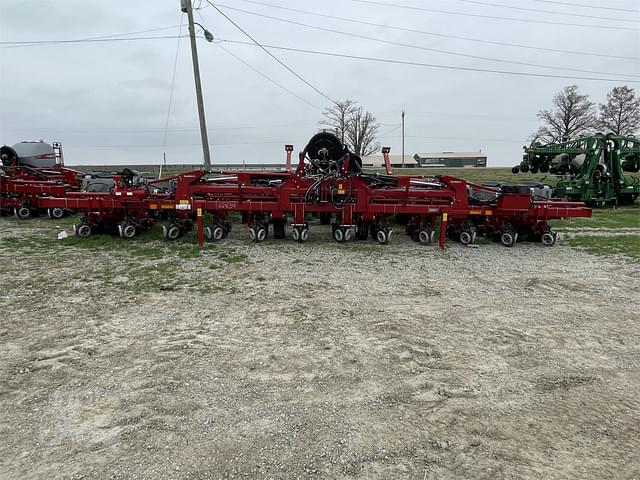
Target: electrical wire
(477, 15)
(467, 139)
(386, 134)
(173, 81)
(197, 144)
(320, 92)
(112, 36)
(109, 131)
(582, 5)
(433, 65)
(538, 10)
(315, 107)
(419, 47)
(440, 35)
(94, 40)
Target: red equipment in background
(30, 171)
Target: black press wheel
(548, 239)
(172, 232)
(425, 237)
(383, 236)
(508, 239)
(56, 212)
(83, 230)
(22, 212)
(128, 230)
(261, 234)
(466, 237)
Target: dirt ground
(320, 360)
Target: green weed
(604, 218)
(625, 245)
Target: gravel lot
(320, 360)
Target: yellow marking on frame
(445, 217)
(184, 202)
(199, 212)
(475, 212)
(153, 206)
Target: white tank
(35, 154)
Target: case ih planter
(328, 182)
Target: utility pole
(403, 138)
(188, 9)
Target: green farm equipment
(591, 168)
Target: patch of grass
(149, 244)
(625, 245)
(32, 244)
(604, 218)
(232, 258)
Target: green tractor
(591, 168)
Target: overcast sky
(108, 101)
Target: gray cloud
(108, 102)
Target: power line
(109, 131)
(173, 81)
(407, 45)
(112, 36)
(386, 134)
(538, 10)
(586, 6)
(315, 107)
(433, 65)
(465, 115)
(271, 54)
(440, 35)
(467, 139)
(477, 15)
(80, 40)
(124, 147)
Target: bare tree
(621, 113)
(356, 127)
(338, 116)
(362, 131)
(572, 115)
